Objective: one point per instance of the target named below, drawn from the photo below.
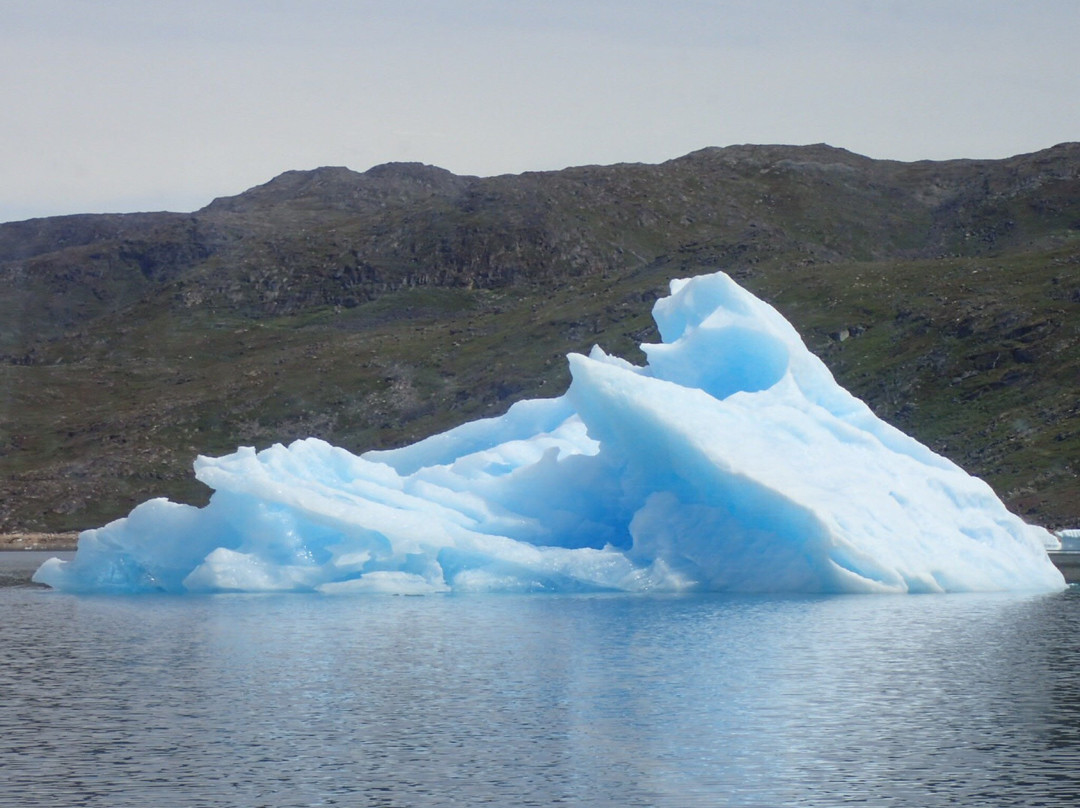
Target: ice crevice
(730, 461)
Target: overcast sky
(122, 105)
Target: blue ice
(732, 461)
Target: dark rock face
(334, 236)
(961, 270)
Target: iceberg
(730, 461)
(1068, 539)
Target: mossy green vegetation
(390, 307)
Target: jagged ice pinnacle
(732, 462)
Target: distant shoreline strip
(38, 541)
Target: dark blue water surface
(509, 700)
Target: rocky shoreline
(38, 541)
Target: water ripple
(629, 701)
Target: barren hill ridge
(374, 308)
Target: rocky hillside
(371, 309)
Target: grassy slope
(373, 310)
(110, 418)
(117, 414)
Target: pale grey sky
(122, 105)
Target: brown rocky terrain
(374, 308)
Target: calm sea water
(537, 700)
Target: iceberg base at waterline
(731, 461)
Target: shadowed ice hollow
(731, 462)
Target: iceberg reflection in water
(731, 462)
